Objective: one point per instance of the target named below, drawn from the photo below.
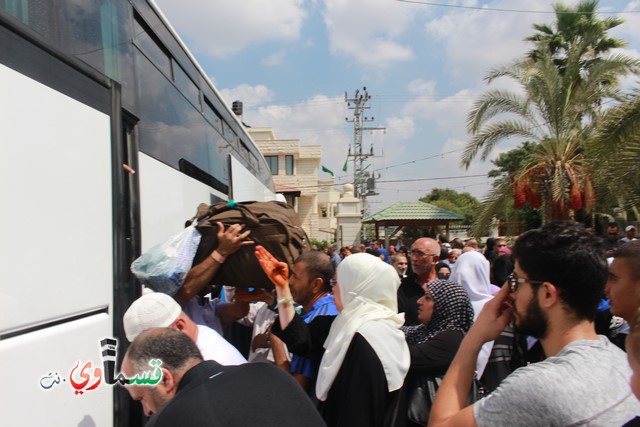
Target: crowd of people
(439, 333)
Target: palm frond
(493, 133)
(497, 200)
(493, 103)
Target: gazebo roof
(412, 212)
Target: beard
(159, 400)
(534, 322)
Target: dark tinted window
(272, 161)
(151, 47)
(185, 84)
(288, 164)
(171, 129)
(96, 33)
(212, 115)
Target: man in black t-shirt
(193, 392)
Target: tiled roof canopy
(412, 214)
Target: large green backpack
(274, 225)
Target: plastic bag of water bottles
(164, 267)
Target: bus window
(185, 84)
(170, 128)
(151, 47)
(212, 115)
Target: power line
(401, 180)
(418, 160)
(433, 179)
(496, 9)
(422, 189)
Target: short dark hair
(630, 250)
(572, 259)
(318, 265)
(456, 243)
(501, 268)
(490, 242)
(172, 347)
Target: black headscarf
(452, 311)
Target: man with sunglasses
(612, 239)
(553, 295)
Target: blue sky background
(423, 63)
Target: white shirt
(214, 347)
(261, 318)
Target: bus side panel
(56, 250)
(37, 369)
(55, 186)
(167, 199)
(245, 186)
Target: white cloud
(403, 127)
(318, 120)
(365, 30)
(249, 95)
(422, 87)
(477, 40)
(222, 28)
(274, 59)
(448, 114)
(630, 29)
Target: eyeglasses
(515, 281)
(419, 254)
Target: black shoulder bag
(422, 395)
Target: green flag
(346, 165)
(327, 170)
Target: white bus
(110, 136)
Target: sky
(422, 62)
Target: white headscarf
(472, 272)
(368, 290)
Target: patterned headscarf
(452, 311)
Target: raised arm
(278, 273)
(450, 406)
(229, 241)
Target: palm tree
(615, 154)
(562, 88)
(575, 25)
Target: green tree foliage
(461, 203)
(615, 156)
(563, 83)
(319, 244)
(574, 26)
(507, 165)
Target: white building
(295, 174)
(328, 197)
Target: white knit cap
(152, 310)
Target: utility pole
(363, 180)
